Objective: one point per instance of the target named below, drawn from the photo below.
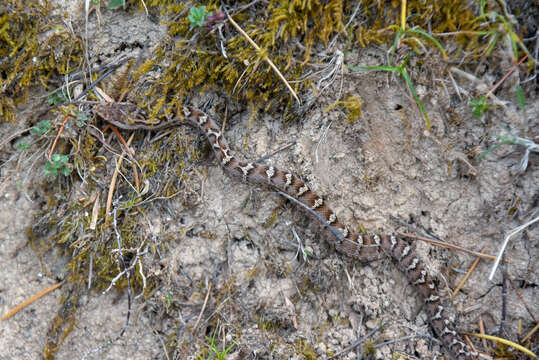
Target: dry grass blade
(529, 335)
(506, 342)
(113, 181)
(203, 307)
(128, 151)
(506, 241)
(95, 212)
(450, 246)
(271, 64)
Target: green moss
(306, 349)
(33, 50)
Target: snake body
(359, 246)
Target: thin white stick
(506, 240)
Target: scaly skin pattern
(358, 246)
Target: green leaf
(370, 68)
(65, 171)
(431, 38)
(50, 169)
(401, 69)
(520, 97)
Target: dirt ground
(230, 267)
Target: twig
(506, 75)
(265, 57)
(104, 75)
(267, 156)
(404, 338)
(522, 299)
(465, 278)
(125, 271)
(58, 136)
(31, 300)
(359, 341)
(506, 241)
(334, 231)
(449, 246)
(529, 335)
(482, 331)
(412, 228)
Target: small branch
(465, 278)
(334, 231)
(271, 154)
(31, 300)
(505, 76)
(359, 341)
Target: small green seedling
(22, 145)
(41, 128)
(57, 165)
(479, 106)
(197, 16)
(213, 348)
(57, 98)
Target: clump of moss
(32, 50)
(215, 56)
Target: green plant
(197, 16)
(213, 348)
(115, 4)
(41, 128)
(479, 106)
(57, 98)
(57, 165)
(22, 145)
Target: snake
(359, 246)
